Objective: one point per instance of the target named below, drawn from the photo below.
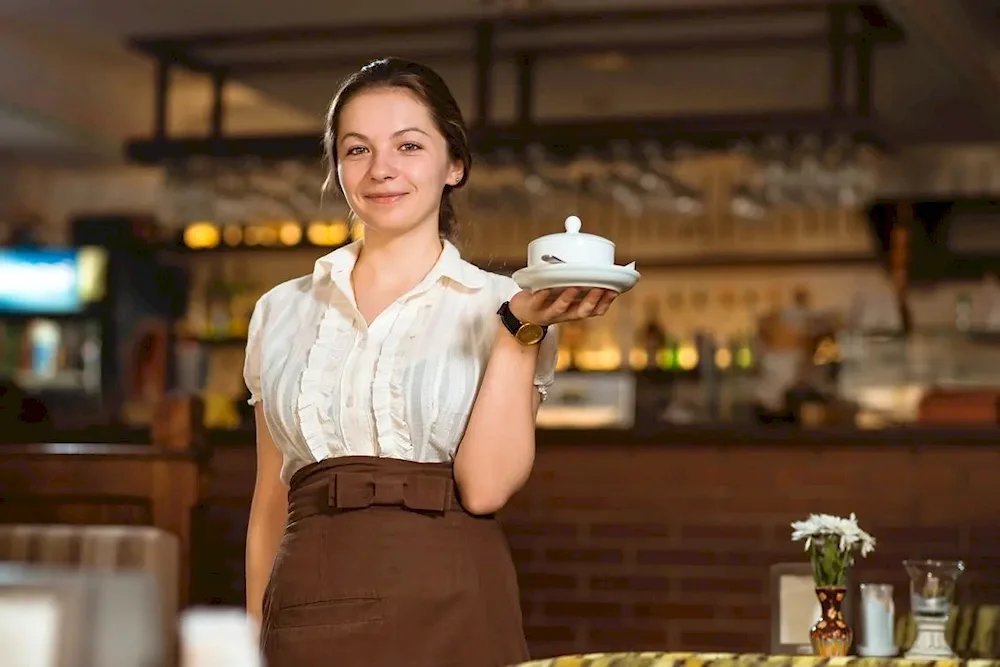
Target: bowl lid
(573, 225)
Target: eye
(409, 146)
(355, 150)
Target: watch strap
(510, 321)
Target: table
(661, 659)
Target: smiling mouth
(387, 198)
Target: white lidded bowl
(572, 247)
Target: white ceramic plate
(561, 276)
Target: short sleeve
(548, 354)
(252, 363)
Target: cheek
(348, 175)
(430, 176)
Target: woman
(395, 393)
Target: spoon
(552, 259)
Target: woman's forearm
(498, 450)
(264, 533)
(268, 516)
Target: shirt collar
(340, 263)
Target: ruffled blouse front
(402, 387)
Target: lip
(385, 197)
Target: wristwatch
(525, 332)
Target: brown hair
(431, 89)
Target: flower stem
(829, 563)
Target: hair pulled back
(429, 88)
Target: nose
(382, 167)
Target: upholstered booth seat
(102, 549)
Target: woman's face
(392, 161)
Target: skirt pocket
(347, 611)
(339, 632)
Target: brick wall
(667, 542)
(653, 546)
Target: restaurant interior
(807, 188)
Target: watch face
(530, 334)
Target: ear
(455, 173)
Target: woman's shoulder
(498, 285)
(285, 295)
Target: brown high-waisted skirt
(380, 566)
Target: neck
(405, 258)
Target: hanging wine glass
(686, 199)
(654, 191)
(807, 171)
(546, 181)
(746, 200)
(773, 156)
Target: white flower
(848, 534)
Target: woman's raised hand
(576, 303)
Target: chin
(392, 223)
(386, 224)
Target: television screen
(50, 280)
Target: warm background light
(201, 235)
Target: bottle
(241, 303)
(217, 304)
(90, 353)
(706, 347)
(571, 336)
(45, 343)
(669, 358)
(963, 312)
(653, 337)
(744, 355)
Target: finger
(589, 303)
(553, 295)
(562, 303)
(584, 310)
(605, 302)
(583, 306)
(539, 299)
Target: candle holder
(932, 592)
(878, 614)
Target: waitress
(395, 391)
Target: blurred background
(810, 189)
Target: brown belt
(346, 491)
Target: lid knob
(573, 224)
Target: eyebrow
(358, 135)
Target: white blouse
(401, 388)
